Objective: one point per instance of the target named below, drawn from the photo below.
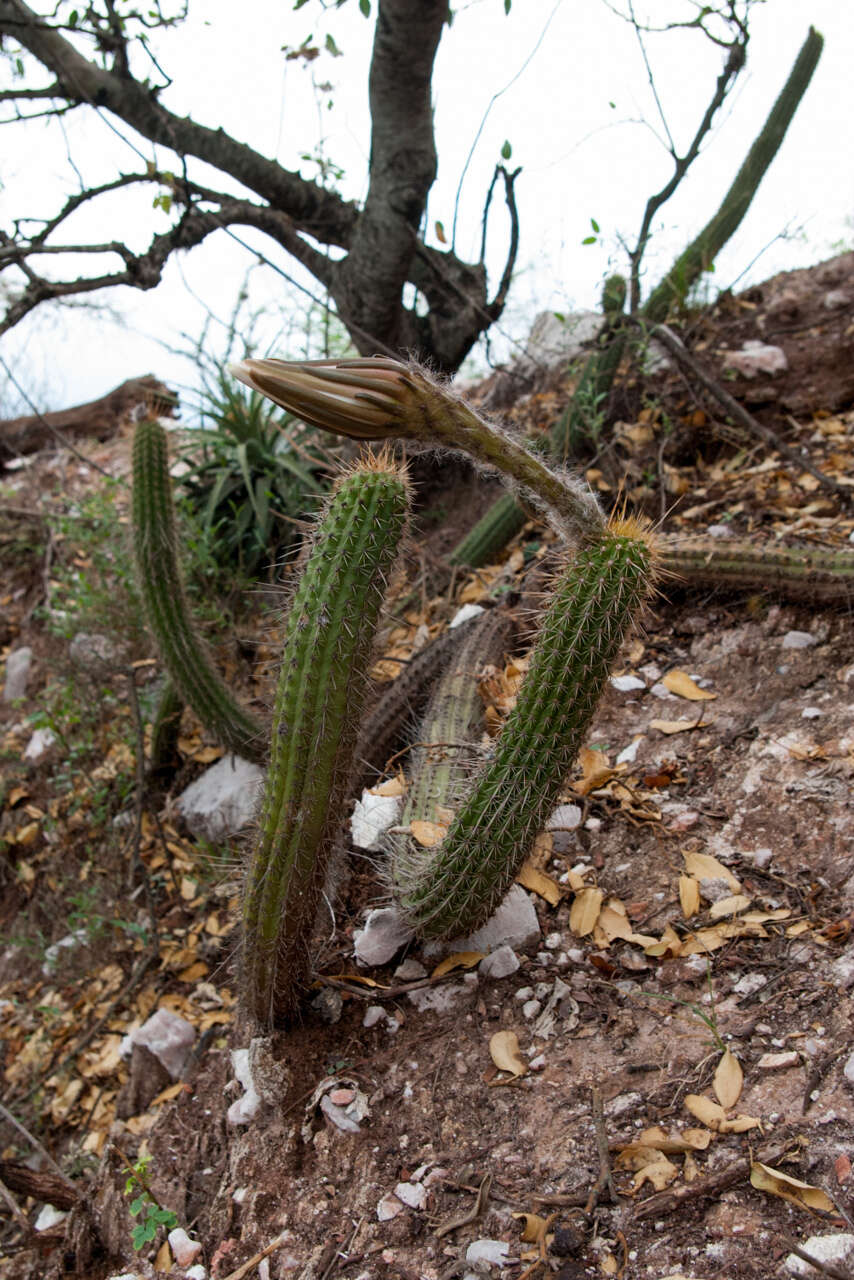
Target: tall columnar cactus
(815, 574)
(329, 635)
(182, 649)
(457, 886)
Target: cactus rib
(183, 651)
(594, 603)
(329, 634)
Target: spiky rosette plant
(327, 648)
(184, 652)
(455, 887)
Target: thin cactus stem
(378, 398)
(183, 651)
(485, 541)
(166, 728)
(819, 575)
(593, 605)
(329, 635)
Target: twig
(606, 1178)
(137, 866)
(14, 1208)
(839, 1273)
(16, 1124)
(246, 1267)
(477, 1209)
(669, 340)
(666, 1202)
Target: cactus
(329, 635)
(487, 539)
(815, 574)
(183, 651)
(459, 884)
(165, 730)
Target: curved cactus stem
(594, 603)
(821, 575)
(485, 541)
(328, 640)
(182, 649)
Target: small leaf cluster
(152, 1216)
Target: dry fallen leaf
(705, 867)
(764, 1178)
(729, 1080)
(391, 787)
(535, 1227)
(674, 726)
(530, 877)
(584, 911)
(674, 1143)
(689, 896)
(680, 683)
(428, 834)
(705, 1110)
(459, 960)
(595, 771)
(731, 906)
(504, 1051)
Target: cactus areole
(327, 651)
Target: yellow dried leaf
(535, 1227)
(428, 834)
(609, 1265)
(391, 787)
(676, 1143)
(542, 851)
(15, 795)
(729, 1080)
(690, 1168)
(167, 1094)
(704, 941)
(504, 1051)
(795, 930)
(163, 1259)
(674, 726)
(189, 888)
(614, 922)
(731, 906)
(763, 917)
(660, 1172)
(530, 877)
(740, 1124)
(705, 867)
(585, 911)
(194, 972)
(207, 755)
(595, 771)
(25, 835)
(459, 960)
(680, 683)
(764, 1178)
(705, 1110)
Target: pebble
(514, 923)
(848, 1069)
(39, 745)
(811, 713)
(628, 755)
(660, 690)
(566, 817)
(553, 940)
(759, 857)
(382, 936)
(499, 963)
(184, 1249)
(412, 1194)
(531, 1008)
(389, 1207)
(749, 983)
(835, 1247)
(798, 640)
(524, 993)
(440, 999)
(410, 970)
(779, 1061)
(17, 673)
(223, 800)
(625, 684)
(496, 1252)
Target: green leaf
(136, 1206)
(19, 67)
(507, 5)
(143, 1233)
(589, 240)
(365, 7)
(331, 46)
(73, 18)
(558, 315)
(506, 151)
(595, 225)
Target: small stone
(373, 1014)
(843, 969)
(185, 1250)
(811, 713)
(848, 1069)
(625, 684)
(92, 651)
(372, 817)
(243, 1109)
(759, 857)
(524, 993)
(719, 531)
(836, 1247)
(341, 1097)
(329, 1003)
(628, 755)
(464, 614)
(410, 970)
(49, 1216)
(338, 1116)
(384, 933)
(660, 690)
(798, 640)
(749, 983)
(499, 963)
(544, 958)
(779, 1061)
(496, 1252)
(389, 1207)
(197, 1272)
(39, 745)
(168, 1036)
(755, 358)
(714, 890)
(17, 673)
(531, 1008)
(412, 1194)
(566, 817)
(223, 800)
(444, 999)
(514, 923)
(553, 940)
(538, 1063)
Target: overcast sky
(573, 101)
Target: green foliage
(250, 473)
(152, 1216)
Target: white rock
(91, 651)
(464, 614)
(719, 531)
(759, 857)
(811, 713)
(372, 817)
(243, 1110)
(410, 970)
(531, 1008)
(779, 1061)
(625, 684)
(39, 745)
(714, 890)
(524, 993)
(444, 999)
(555, 342)
(756, 357)
(554, 940)
(843, 969)
(848, 1069)
(223, 800)
(629, 754)
(798, 640)
(168, 1036)
(497, 1252)
(17, 673)
(836, 298)
(499, 963)
(51, 955)
(185, 1250)
(412, 1194)
(339, 1116)
(389, 1207)
(566, 817)
(197, 1272)
(749, 983)
(836, 1247)
(373, 1014)
(660, 690)
(384, 933)
(514, 923)
(49, 1216)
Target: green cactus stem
(819, 575)
(485, 541)
(327, 649)
(594, 603)
(165, 730)
(183, 651)
(378, 398)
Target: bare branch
(496, 306)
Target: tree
(95, 58)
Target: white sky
(582, 158)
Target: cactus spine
(328, 639)
(595, 600)
(183, 651)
